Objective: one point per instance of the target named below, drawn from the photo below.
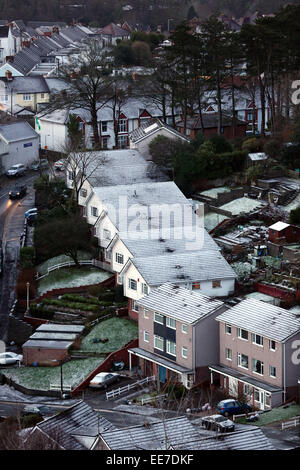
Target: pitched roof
(27, 84)
(180, 303)
(78, 418)
(113, 30)
(151, 127)
(210, 121)
(183, 267)
(18, 130)
(262, 318)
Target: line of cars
(19, 169)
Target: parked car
(217, 423)
(59, 165)
(7, 358)
(232, 407)
(31, 212)
(31, 219)
(16, 170)
(39, 164)
(42, 410)
(18, 192)
(104, 379)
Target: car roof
(229, 400)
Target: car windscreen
(220, 418)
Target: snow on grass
(215, 191)
(292, 205)
(119, 332)
(72, 277)
(43, 268)
(243, 270)
(242, 204)
(40, 378)
(277, 414)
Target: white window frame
(157, 316)
(218, 286)
(26, 96)
(104, 126)
(169, 320)
(227, 327)
(146, 313)
(254, 340)
(270, 345)
(94, 211)
(70, 175)
(134, 306)
(122, 125)
(119, 258)
(239, 332)
(270, 372)
(144, 288)
(106, 234)
(248, 389)
(239, 361)
(146, 334)
(184, 328)
(253, 367)
(132, 282)
(168, 348)
(83, 193)
(158, 338)
(228, 356)
(184, 349)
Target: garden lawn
(40, 378)
(277, 414)
(43, 268)
(72, 277)
(119, 332)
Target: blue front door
(162, 374)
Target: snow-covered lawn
(212, 219)
(40, 378)
(119, 332)
(277, 414)
(43, 268)
(72, 277)
(242, 204)
(215, 191)
(292, 205)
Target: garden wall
(275, 292)
(106, 365)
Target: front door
(162, 374)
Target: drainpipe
(194, 349)
(284, 373)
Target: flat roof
(279, 226)
(44, 344)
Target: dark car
(232, 407)
(217, 423)
(18, 192)
(42, 410)
(31, 219)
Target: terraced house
(259, 353)
(17, 93)
(178, 334)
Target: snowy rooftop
(279, 226)
(243, 204)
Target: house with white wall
(19, 143)
(7, 43)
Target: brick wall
(43, 356)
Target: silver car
(104, 379)
(7, 358)
(217, 423)
(16, 170)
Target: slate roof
(18, 130)
(36, 24)
(180, 303)
(73, 33)
(126, 166)
(263, 319)
(253, 439)
(209, 121)
(151, 243)
(64, 426)
(60, 328)
(60, 40)
(47, 344)
(27, 84)
(113, 30)
(183, 267)
(151, 127)
(154, 436)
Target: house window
(184, 352)
(26, 96)
(122, 141)
(84, 211)
(70, 175)
(184, 328)
(83, 193)
(134, 306)
(272, 371)
(146, 336)
(144, 288)
(196, 285)
(104, 126)
(228, 354)
(171, 323)
(257, 367)
(106, 234)
(228, 329)
(171, 348)
(256, 395)
(95, 230)
(243, 334)
(146, 313)
(108, 255)
(272, 345)
(216, 284)
(243, 360)
(158, 318)
(119, 258)
(268, 399)
(248, 389)
(158, 342)
(188, 132)
(94, 211)
(42, 96)
(257, 339)
(132, 284)
(104, 142)
(122, 125)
